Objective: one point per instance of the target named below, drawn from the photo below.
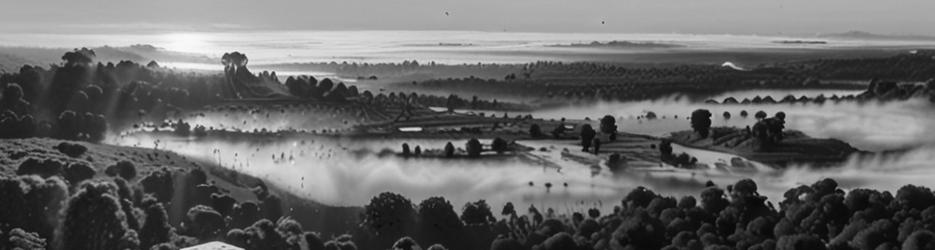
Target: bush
(160, 184)
(94, 220)
(535, 131)
(449, 150)
(124, 169)
(202, 222)
(499, 145)
(701, 122)
(77, 172)
(71, 149)
(44, 168)
(473, 147)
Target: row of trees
(473, 148)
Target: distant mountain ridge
(863, 35)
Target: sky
(768, 17)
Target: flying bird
(602, 22)
(446, 13)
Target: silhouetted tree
(449, 150)
(389, 216)
(701, 122)
(587, 136)
(477, 212)
(94, 220)
(535, 131)
(473, 147)
(124, 169)
(499, 145)
(406, 151)
(156, 228)
(202, 222)
(609, 126)
(160, 184)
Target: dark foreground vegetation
(48, 204)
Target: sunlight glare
(185, 42)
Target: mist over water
(349, 171)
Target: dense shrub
(41, 167)
(124, 169)
(71, 149)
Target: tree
(314, 241)
(451, 103)
(438, 220)
(665, 149)
(160, 184)
(389, 216)
(31, 204)
(156, 228)
(609, 126)
(449, 150)
(587, 136)
(775, 125)
(640, 231)
(202, 222)
(559, 241)
(77, 172)
(406, 243)
(596, 142)
(124, 169)
(923, 239)
(535, 131)
(499, 145)
(760, 115)
(799, 242)
(504, 243)
(94, 219)
(12, 100)
(701, 122)
(477, 212)
(73, 150)
(83, 56)
(406, 151)
(474, 148)
(291, 230)
(44, 168)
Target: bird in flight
(446, 13)
(602, 22)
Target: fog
(869, 126)
(349, 171)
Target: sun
(185, 42)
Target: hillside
(13, 152)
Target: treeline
(373, 71)
(78, 100)
(917, 66)
(46, 208)
(877, 90)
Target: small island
(800, 42)
(620, 44)
(766, 141)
